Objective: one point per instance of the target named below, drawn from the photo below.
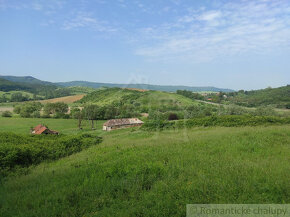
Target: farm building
(121, 123)
(40, 129)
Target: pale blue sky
(231, 44)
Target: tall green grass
(25, 150)
(141, 173)
(64, 126)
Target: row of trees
(15, 97)
(95, 112)
(33, 109)
(196, 111)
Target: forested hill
(167, 88)
(26, 79)
(6, 86)
(39, 90)
(278, 97)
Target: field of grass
(150, 99)
(65, 126)
(158, 98)
(9, 93)
(139, 173)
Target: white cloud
(210, 15)
(246, 27)
(86, 20)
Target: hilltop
(141, 101)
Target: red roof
(39, 129)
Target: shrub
(225, 121)
(25, 150)
(7, 114)
(172, 116)
(35, 114)
(17, 109)
(266, 111)
(28, 109)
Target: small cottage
(40, 129)
(121, 123)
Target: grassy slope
(160, 98)
(148, 98)
(136, 173)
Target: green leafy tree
(7, 114)
(58, 109)
(78, 114)
(91, 113)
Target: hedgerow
(225, 121)
(25, 150)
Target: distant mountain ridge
(167, 88)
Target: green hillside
(148, 98)
(25, 79)
(6, 85)
(121, 103)
(138, 173)
(278, 97)
(29, 88)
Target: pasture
(64, 126)
(140, 173)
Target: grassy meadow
(140, 173)
(64, 126)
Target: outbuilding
(40, 129)
(121, 123)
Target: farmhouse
(40, 129)
(121, 123)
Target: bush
(225, 121)
(7, 114)
(172, 116)
(28, 109)
(35, 114)
(20, 150)
(265, 111)
(17, 109)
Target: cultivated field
(139, 173)
(65, 99)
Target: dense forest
(37, 90)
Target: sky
(238, 44)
